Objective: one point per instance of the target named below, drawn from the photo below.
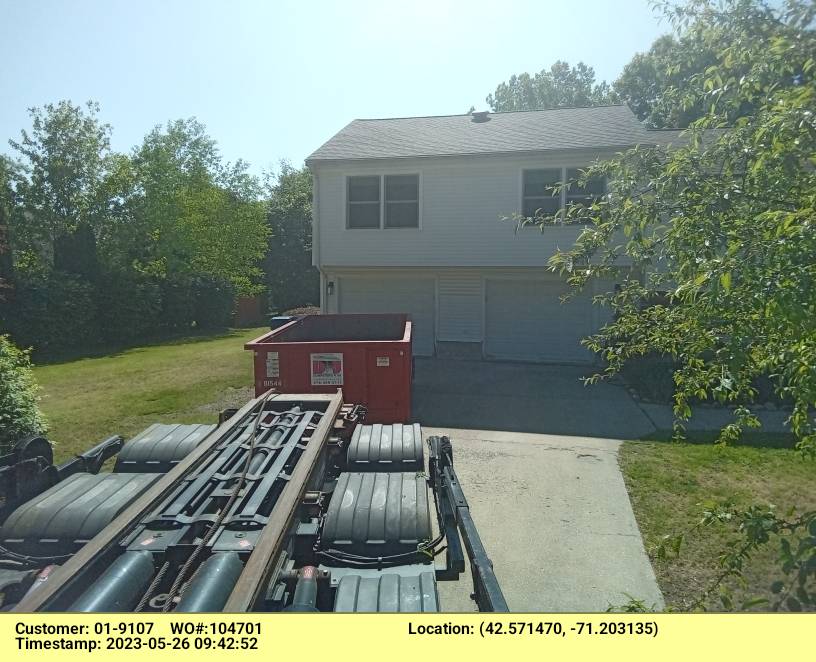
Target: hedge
(63, 313)
(19, 415)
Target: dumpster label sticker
(383, 361)
(327, 369)
(272, 364)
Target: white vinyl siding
(526, 321)
(382, 293)
(460, 307)
(461, 204)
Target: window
(592, 191)
(382, 201)
(402, 201)
(538, 197)
(363, 206)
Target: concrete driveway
(520, 397)
(536, 452)
(555, 518)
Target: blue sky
(274, 80)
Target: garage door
(414, 296)
(526, 321)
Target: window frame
(416, 201)
(349, 203)
(524, 172)
(382, 216)
(565, 194)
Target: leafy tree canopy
(559, 86)
(711, 242)
(63, 159)
(654, 83)
(292, 281)
(171, 206)
(201, 215)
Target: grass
(182, 381)
(753, 438)
(669, 481)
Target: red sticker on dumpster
(327, 369)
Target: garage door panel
(414, 296)
(526, 321)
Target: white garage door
(526, 321)
(414, 296)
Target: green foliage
(19, 415)
(712, 244)
(52, 313)
(64, 159)
(200, 215)
(213, 300)
(7, 175)
(650, 81)
(719, 225)
(291, 279)
(177, 306)
(558, 87)
(154, 241)
(794, 589)
(651, 376)
(631, 606)
(128, 307)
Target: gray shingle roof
(527, 131)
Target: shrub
(19, 415)
(214, 300)
(652, 376)
(177, 307)
(202, 302)
(53, 313)
(129, 306)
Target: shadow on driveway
(518, 397)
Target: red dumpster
(368, 356)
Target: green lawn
(185, 381)
(669, 481)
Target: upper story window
(367, 207)
(590, 192)
(363, 206)
(402, 201)
(539, 199)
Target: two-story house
(407, 219)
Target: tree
(64, 158)
(195, 213)
(653, 83)
(645, 78)
(291, 279)
(7, 176)
(558, 87)
(718, 230)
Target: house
(407, 219)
